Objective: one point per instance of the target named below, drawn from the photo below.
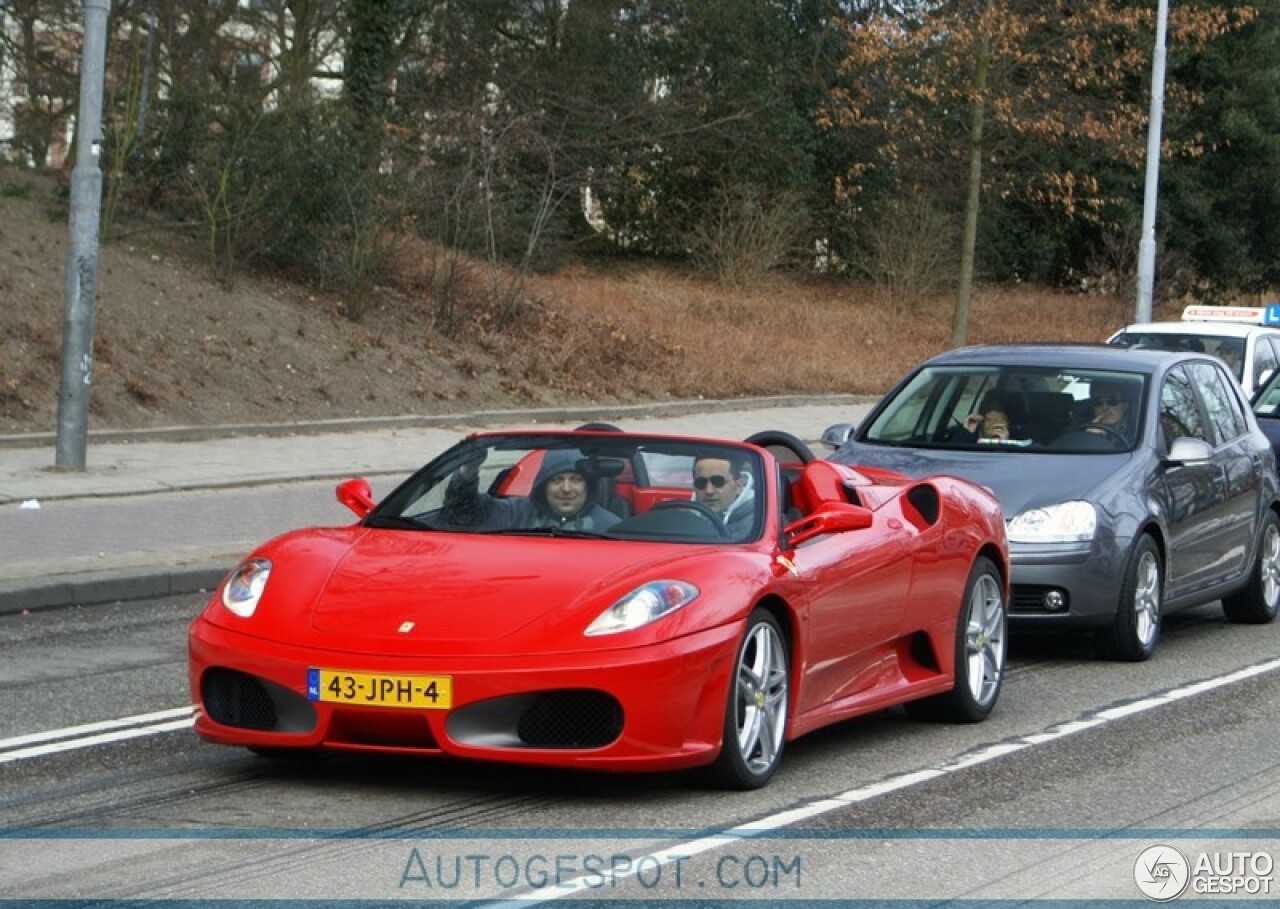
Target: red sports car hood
(451, 588)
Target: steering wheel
(1107, 430)
(771, 438)
(697, 508)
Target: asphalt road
(1083, 766)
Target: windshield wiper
(554, 532)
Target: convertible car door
(855, 585)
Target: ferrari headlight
(244, 586)
(1066, 522)
(647, 603)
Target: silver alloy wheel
(1269, 566)
(984, 640)
(761, 698)
(1146, 598)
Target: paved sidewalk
(170, 511)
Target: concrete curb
(585, 413)
(111, 586)
(213, 485)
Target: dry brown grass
(175, 347)
(811, 336)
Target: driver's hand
(471, 469)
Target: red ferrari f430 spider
(614, 601)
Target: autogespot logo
(1161, 873)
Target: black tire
(1258, 602)
(756, 706)
(981, 647)
(1135, 632)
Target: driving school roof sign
(1253, 315)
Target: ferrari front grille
(235, 699)
(571, 719)
(243, 701)
(562, 718)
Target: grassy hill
(174, 346)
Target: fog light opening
(1055, 600)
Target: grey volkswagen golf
(1134, 482)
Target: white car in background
(1246, 338)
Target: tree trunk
(969, 242)
(144, 83)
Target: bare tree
(950, 86)
(41, 46)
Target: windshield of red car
(614, 486)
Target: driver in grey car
(1109, 405)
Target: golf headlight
(1066, 522)
(643, 605)
(244, 587)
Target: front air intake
(242, 701)
(571, 719)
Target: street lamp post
(1147, 243)
(81, 277)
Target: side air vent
(243, 701)
(924, 499)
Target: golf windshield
(1013, 409)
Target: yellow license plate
(368, 689)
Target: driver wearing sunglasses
(722, 486)
(1109, 407)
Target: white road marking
(75, 737)
(828, 804)
(71, 738)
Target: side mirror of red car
(356, 495)
(831, 517)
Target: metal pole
(82, 251)
(1147, 244)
